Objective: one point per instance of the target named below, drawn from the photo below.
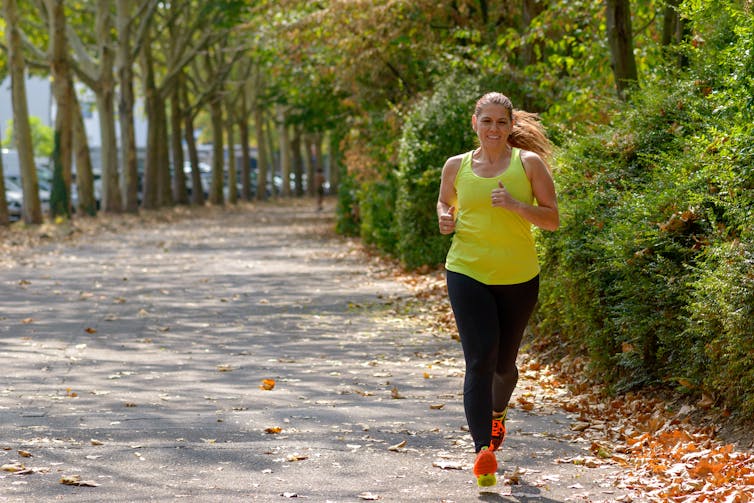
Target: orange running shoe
(498, 432)
(485, 468)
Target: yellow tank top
(492, 245)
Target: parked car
(14, 196)
(13, 184)
(14, 191)
(205, 172)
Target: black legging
(491, 320)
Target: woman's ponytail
(529, 134)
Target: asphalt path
(135, 364)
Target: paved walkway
(136, 361)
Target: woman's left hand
(501, 198)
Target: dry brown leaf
(369, 496)
(395, 394)
(447, 464)
(90, 330)
(13, 467)
(273, 430)
(75, 480)
(224, 368)
(25, 454)
(27, 321)
(267, 384)
(399, 447)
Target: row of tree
(214, 63)
(294, 70)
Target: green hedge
(652, 272)
(377, 205)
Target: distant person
(490, 197)
(319, 182)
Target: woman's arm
(545, 213)
(447, 197)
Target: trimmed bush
(377, 205)
(651, 271)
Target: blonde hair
(528, 133)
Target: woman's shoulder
(530, 158)
(454, 162)
(532, 161)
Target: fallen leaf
(90, 330)
(75, 480)
(27, 321)
(369, 496)
(25, 454)
(398, 447)
(274, 430)
(296, 457)
(95, 442)
(580, 426)
(267, 384)
(395, 394)
(13, 467)
(449, 464)
(224, 368)
(437, 406)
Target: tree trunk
(32, 211)
(129, 164)
(87, 201)
(530, 52)
(620, 40)
(232, 178)
(272, 167)
(216, 187)
(262, 157)
(179, 177)
(150, 184)
(165, 190)
(308, 164)
(105, 92)
(285, 153)
(317, 161)
(4, 216)
(60, 201)
(334, 164)
(197, 189)
(243, 130)
(298, 161)
(674, 29)
(530, 10)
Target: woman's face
(492, 125)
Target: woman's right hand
(447, 221)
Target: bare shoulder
(532, 162)
(452, 165)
